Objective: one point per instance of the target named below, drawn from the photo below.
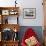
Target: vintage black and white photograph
(29, 13)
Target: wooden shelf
(11, 26)
(5, 12)
(9, 9)
(9, 43)
(4, 24)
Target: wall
(39, 13)
(38, 21)
(6, 3)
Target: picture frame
(29, 13)
(13, 12)
(5, 12)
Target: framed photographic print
(29, 13)
(12, 12)
(5, 12)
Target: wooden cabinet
(9, 22)
(10, 43)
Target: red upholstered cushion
(29, 33)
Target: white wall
(27, 4)
(7, 3)
(39, 13)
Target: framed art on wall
(29, 13)
(5, 12)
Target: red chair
(29, 33)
